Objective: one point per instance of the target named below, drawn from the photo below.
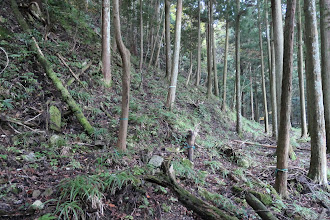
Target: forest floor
(73, 175)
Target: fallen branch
(257, 144)
(71, 80)
(200, 207)
(6, 59)
(259, 207)
(66, 97)
(7, 119)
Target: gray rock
(36, 194)
(156, 161)
(37, 205)
(31, 157)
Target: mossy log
(200, 207)
(259, 207)
(66, 97)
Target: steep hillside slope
(74, 175)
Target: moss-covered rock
(264, 198)
(55, 118)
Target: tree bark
(325, 62)
(251, 94)
(66, 97)
(216, 84)
(198, 75)
(141, 35)
(259, 207)
(273, 87)
(209, 51)
(175, 64)
(225, 67)
(256, 116)
(301, 73)
(238, 70)
(318, 163)
(283, 143)
(264, 92)
(168, 38)
(125, 56)
(106, 42)
(272, 79)
(190, 69)
(278, 44)
(155, 41)
(159, 46)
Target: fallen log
(251, 143)
(200, 207)
(259, 207)
(66, 97)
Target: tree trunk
(198, 75)
(159, 46)
(66, 97)
(216, 84)
(209, 51)
(238, 71)
(168, 38)
(283, 143)
(325, 62)
(190, 69)
(106, 42)
(141, 36)
(251, 94)
(225, 67)
(125, 56)
(264, 92)
(260, 208)
(272, 79)
(256, 99)
(278, 44)
(156, 41)
(318, 162)
(175, 64)
(301, 73)
(273, 87)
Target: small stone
(48, 192)
(156, 161)
(36, 194)
(55, 118)
(37, 205)
(31, 157)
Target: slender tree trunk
(156, 41)
(325, 62)
(141, 35)
(318, 162)
(209, 50)
(198, 75)
(264, 92)
(238, 71)
(225, 67)
(168, 38)
(159, 46)
(175, 64)
(256, 99)
(273, 86)
(278, 44)
(190, 69)
(283, 143)
(106, 42)
(251, 94)
(216, 84)
(301, 73)
(125, 55)
(272, 79)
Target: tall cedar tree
(125, 56)
(238, 70)
(278, 44)
(283, 143)
(209, 50)
(318, 162)
(168, 38)
(301, 73)
(264, 92)
(198, 74)
(106, 42)
(141, 35)
(175, 63)
(325, 61)
(225, 67)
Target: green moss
(264, 198)
(55, 118)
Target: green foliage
(305, 213)
(214, 165)
(47, 216)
